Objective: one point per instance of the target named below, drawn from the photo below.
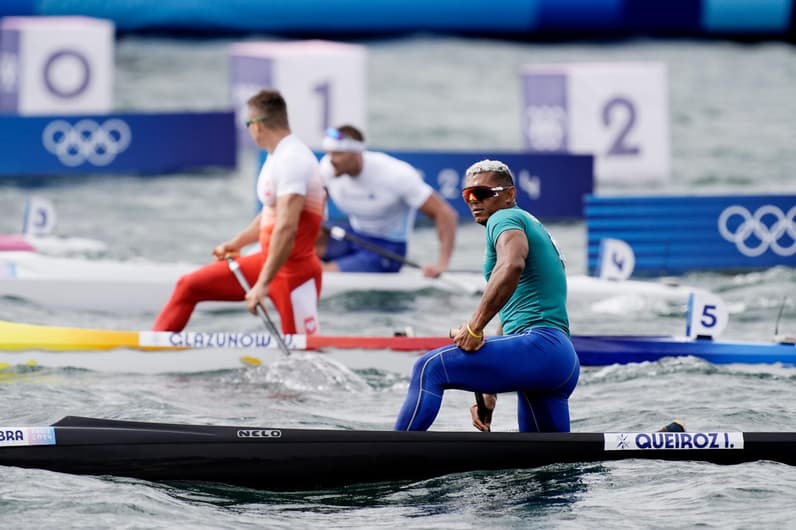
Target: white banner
(642, 441)
(230, 340)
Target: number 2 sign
(616, 111)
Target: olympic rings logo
(752, 224)
(546, 127)
(86, 141)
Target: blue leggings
(352, 258)
(540, 365)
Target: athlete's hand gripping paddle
(261, 312)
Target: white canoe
(53, 245)
(136, 287)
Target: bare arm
(245, 237)
(289, 209)
(512, 250)
(445, 219)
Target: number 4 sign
(616, 260)
(616, 111)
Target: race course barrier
(550, 186)
(116, 143)
(674, 235)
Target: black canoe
(290, 459)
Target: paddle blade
(482, 410)
(250, 361)
(674, 426)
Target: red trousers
(216, 282)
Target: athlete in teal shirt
(541, 294)
(526, 286)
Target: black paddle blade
(675, 426)
(482, 410)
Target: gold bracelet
(472, 333)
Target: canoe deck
(290, 459)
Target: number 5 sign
(322, 82)
(616, 111)
(707, 315)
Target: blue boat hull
(623, 349)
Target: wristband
(472, 333)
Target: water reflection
(519, 492)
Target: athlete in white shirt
(286, 269)
(381, 196)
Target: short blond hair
(498, 168)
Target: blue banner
(500, 17)
(551, 187)
(17, 8)
(307, 17)
(116, 143)
(674, 235)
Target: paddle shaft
(261, 312)
(340, 233)
(479, 397)
(481, 404)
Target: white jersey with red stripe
(292, 169)
(382, 201)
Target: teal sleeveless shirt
(541, 295)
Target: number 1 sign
(322, 82)
(616, 111)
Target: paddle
(482, 410)
(339, 233)
(479, 397)
(261, 311)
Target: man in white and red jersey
(381, 196)
(286, 269)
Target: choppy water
(733, 120)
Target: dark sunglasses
(481, 193)
(254, 120)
